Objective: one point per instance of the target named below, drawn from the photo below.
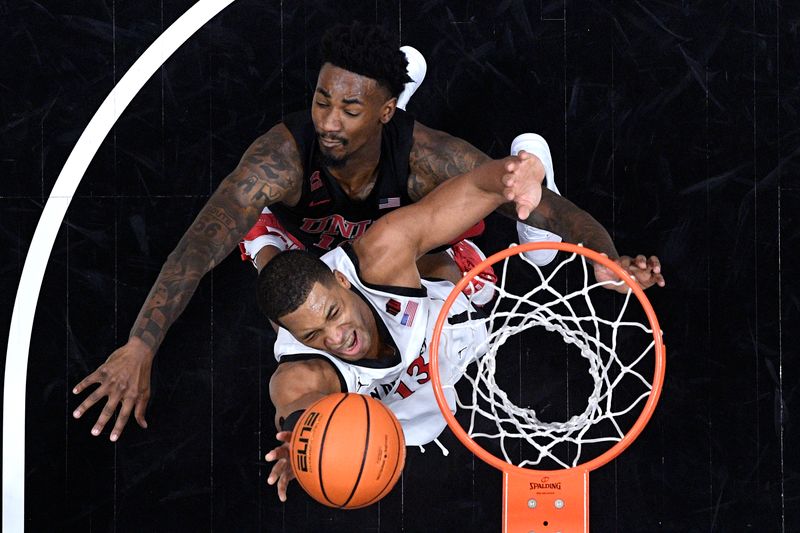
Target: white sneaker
(536, 145)
(417, 67)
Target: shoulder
(425, 137)
(272, 165)
(297, 378)
(437, 156)
(386, 253)
(276, 142)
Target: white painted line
(44, 237)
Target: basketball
(347, 450)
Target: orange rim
(658, 373)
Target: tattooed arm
(270, 171)
(437, 156)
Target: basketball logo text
(302, 452)
(545, 484)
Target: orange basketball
(348, 450)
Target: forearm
(212, 236)
(581, 227)
(560, 216)
(174, 287)
(456, 205)
(269, 172)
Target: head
(363, 72)
(300, 293)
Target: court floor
(674, 125)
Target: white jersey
(408, 316)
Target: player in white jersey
(322, 309)
(405, 318)
(364, 314)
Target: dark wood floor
(674, 124)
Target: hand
(282, 471)
(646, 272)
(124, 378)
(523, 183)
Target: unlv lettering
(334, 226)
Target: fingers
(275, 454)
(90, 400)
(91, 379)
(122, 419)
(645, 271)
(278, 469)
(655, 265)
(283, 484)
(522, 183)
(114, 400)
(278, 452)
(281, 472)
(141, 407)
(105, 415)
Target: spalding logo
(545, 484)
(302, 452)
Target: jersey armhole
(291, 358)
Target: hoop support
(549, 500)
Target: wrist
(138, 344)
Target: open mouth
(351, 346)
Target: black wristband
(288, 423)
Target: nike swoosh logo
(319, 202)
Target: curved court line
(44, 237)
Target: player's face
(335, 320)
(348, 112)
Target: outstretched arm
(294, 387)
(269, 171)
(557, 214)
(437, 157)
(389, 249)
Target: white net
(567, 368)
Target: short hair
(286, 281)
(367, 50)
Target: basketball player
(360, 143)
(360, 318)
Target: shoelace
(465, 264)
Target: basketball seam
(363, 457)
(322, 448)
(401, 451)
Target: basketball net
(546, 462)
